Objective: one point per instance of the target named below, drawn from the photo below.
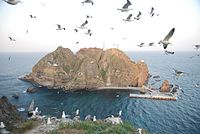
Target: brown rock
(89, 68)
(9, 114)
(165, 86)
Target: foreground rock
(9, 114)
(165, 87)
(89, 68)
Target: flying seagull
(166, 42)
(89, 32)
(197, 47)
(151, 12)
(141, 45)
(59, 27)
(125, 7)
(76, 30)
(138, 16)
(11, 39)
(87, 1)
(168, 52)
(12, 2)
(128, 18)
(88, 16)
(83, 25)
(32, 16)
(151, 44)
(9, 57)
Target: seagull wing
(59, 26)
(129, 17)
(169, 35)
(128, 3)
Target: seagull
(151, 44)
(120, 113)
(125, 7)
(141, 45)
(77, 42)
(9, 58)
(197, 85)
(128, 18)
(88, 16)
(138, 16)
(63, 115)
(151, 12)
(94, 118)
(89, 32)
(178, 73)
(27, 31)
(49, 121)
(76, 30)
(87, 1)
(11, 39)
(77, 112)
(32, 16)
(12, 2)
(197, 47)
(83, 25)
(2, 125)
(168, 52)
(59, 27)
(166, 42)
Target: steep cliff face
(89, 68)
(9, 114)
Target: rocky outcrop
(31, 90)
(9, 114)
(165, 87)
(89, 68)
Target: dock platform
(157, 96)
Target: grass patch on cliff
(98, 127)
(25, 126)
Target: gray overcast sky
(42, 36)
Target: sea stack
(88, 69)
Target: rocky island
(88, 69)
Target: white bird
(63, 115)
(87, 1)
(34, 113)
(2, 125)
(197, 47)
(138, 16)
(168, 52)
(94, 118)
(165, 41)
(151, 12)
(141, 45)
(85, 23)
(36, 110)
(125, 7)
(32, 16)
(11, 39)
(49, 121)
(139, 130)
(59, 27)
(128, 18)
(12, 2)
(89, 32)
(77, 112)
(120, 113)
(178, 73)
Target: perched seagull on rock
(11, 39)
(59, 27)
(128, 18)
(63, 115)
(2, 125)
(12, 2)
(197, 47)
(94, 118)
(87, 1)
(168, 52)
(138, 16)
(125, 7)
(166, 42)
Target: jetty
(119, 88)
(155, 95)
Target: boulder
(31, 90)
(165, 87)
(114, 120)
(9, 114)
(89, 68)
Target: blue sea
(157, 116)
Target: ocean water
(170, 117)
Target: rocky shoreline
(88, 69)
